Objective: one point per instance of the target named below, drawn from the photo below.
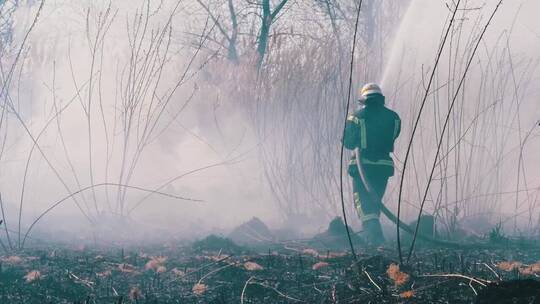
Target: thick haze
(121, 94)
(496, 111)
(59, 63)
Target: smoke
(488, 156)
(114, 94)
(111, 97)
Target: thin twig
(278, 292)
(447, 119)
(372, 281)
(5, 225)
(215, 271)
(342, 151)
(244, 290)
(492, 270)
(457, 275)
(415, 127)
(474, 290)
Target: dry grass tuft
(177, 272)
(32, 276)
(525, 270)
(509, 266)
(407, 294)
(399, 277)
(333, 255)
(530, 270)
(135, 293)
(312, 252)
(161, 269)
(199, 289)
(252, 266)
(156, 263)
(319, 265)
(13, 259)
(127, 268)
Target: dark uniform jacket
(373, 130)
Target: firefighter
(370, 132)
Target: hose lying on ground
(394, 218)
(407, 228)
(421, 236)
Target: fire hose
(391, 216)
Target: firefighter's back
(382, 127)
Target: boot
(373, 231)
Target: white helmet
(370, 89)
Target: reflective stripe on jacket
(373, 130)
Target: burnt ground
(215, 270)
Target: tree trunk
(265, 30)
(232, 53)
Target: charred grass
(284, 273)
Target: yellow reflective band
(380, 162)
(363, 132)
(353, 118)
(352, 162)
(356, 199)
(357, 205)
(397, 122)
(359, 212)
(363, 217)
(369, 217)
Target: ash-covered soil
(216, 270)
